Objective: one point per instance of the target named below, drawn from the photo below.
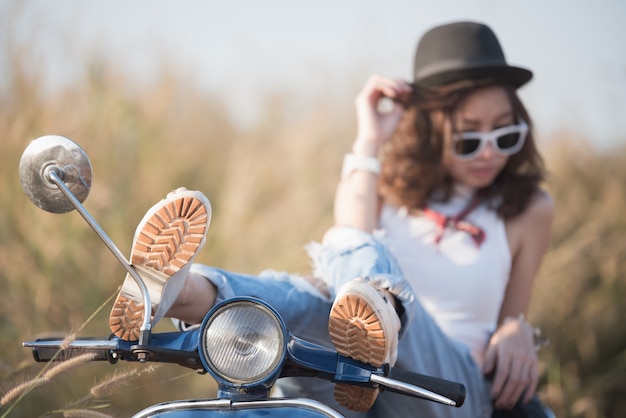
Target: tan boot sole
(356, 332)
(167, 241)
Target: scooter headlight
(243, 342)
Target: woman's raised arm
(356, 200)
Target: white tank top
(459, 284)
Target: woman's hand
(511, 354)
(375, 126)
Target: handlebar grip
(44, 354)
(46, 349)
(451, 390)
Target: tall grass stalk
(50, 370)
(46, 376)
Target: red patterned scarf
(457, 222)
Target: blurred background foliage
(271, 185)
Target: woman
(464, 223)
(457, 142)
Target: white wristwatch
(353, 162)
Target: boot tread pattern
(356, 332)
(166, 242)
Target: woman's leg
(195, 299)
(372, 303)
(347, 253)
(302, 306)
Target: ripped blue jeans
(345, 253)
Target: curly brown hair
(414, 166)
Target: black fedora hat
(460, 51)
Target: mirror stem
(146, 326)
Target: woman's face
(483, 110)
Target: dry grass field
(271, 186)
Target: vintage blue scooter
(242, 343)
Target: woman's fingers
(378, 87)
(513, 387)
(534, 380)
(515, 382)
(500, 376)
(375, 126)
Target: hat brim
(515, 76)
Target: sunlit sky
(245, 48)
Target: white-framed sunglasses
(505, 141)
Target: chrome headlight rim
(280, 334)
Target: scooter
(243, 343)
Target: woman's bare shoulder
(535, 221)
(541, 207)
